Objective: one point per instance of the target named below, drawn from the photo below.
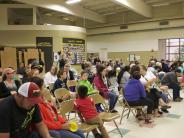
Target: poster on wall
(131, 57)
(44, 41)
(56, 57)
(103, 54)
(74, 50)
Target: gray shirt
(169, 78)
(124, 79)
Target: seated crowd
(25, 112)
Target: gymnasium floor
(170, 125)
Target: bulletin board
(131, 57)
(74, 50)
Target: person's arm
(150, 77)
(127, 77)
(4, 91)
(46, 80)
(43, 130)
(4, 135)
(151, 80)
(48, 123)
(17, 82)
(5, 121)
(66, 126)
(56, 86)
(97, 83)
(78, 112)
(71, 75)
(142, 90)
(80, 116)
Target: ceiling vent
(124, 27)
(164, 23)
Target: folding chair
(60, 93)
(71, 83)
(51, 85)
(48, 96)
(127, 107)
(106, 116)
(158, 82)
(68, 106)
(120, 96)
(168, 93)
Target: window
(175, 49)
(20, 16)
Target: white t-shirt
(143, 80)
(49, 78)
(151, 69)
(149, 75)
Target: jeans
(113, 98)
(154, 97)
(176, 90)
(99, 108)
(34, 135)
(164, 97)
(143, 102)
(66, 134)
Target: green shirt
(88, 85)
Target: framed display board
(74, 50)
(131, 57)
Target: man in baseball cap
(19, 111)
(31, 92)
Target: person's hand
(73, 94)
(13, 92)
(66, 126)
(66, 96)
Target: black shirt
(16, 120)
(59, 84)
(4, 91)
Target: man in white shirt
(51, 76)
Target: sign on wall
(74, 50)
(103, 54)
(44, 41)
(132, 57)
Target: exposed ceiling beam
(60, 6)
(138, 6)
(165, 1)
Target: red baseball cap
(31, 91)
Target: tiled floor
(168, 126)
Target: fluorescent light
(109, 13)
(48, 14)
(124, 2)
(60, 8)
(161, 4)
(48, 24)
(65, 18)
(72, 1)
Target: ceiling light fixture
(161, 4)
(47, 24)
(110, 13)
(72, 1)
